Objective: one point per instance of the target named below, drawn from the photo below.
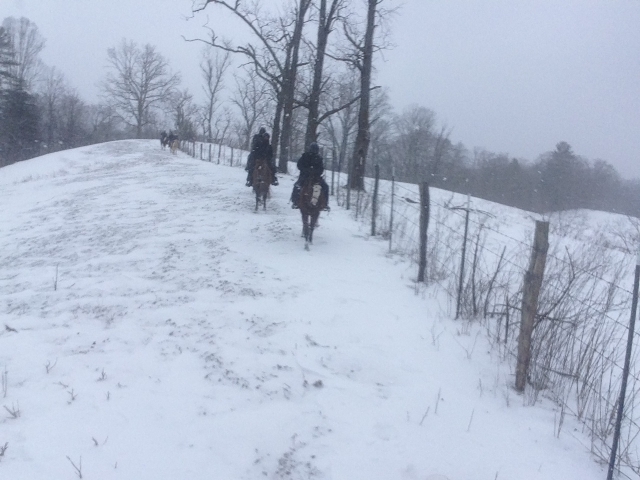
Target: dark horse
(261, 181)
(312, 202)
(164, 140)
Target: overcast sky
(508, 76)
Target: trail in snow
(165, 331)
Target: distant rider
(261, 148)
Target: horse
(312, 202)
(164, 140)
(175, 144)
(261, 181)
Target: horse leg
(306, 229)
(314, 220)
(257, 201)
(305, 225)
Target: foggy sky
(511, 77)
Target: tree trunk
(356, 174)
(289, 85)
(275, 134)
(325, 22)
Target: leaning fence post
(625, 371)
(531, 291)
(424, 224)
(462, 261)
(374, 202)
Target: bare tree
(51, 92)
(340, 127)
(289, 81)
(26, 44)
(252, 99)
(6, 58)
(184, 113)
(72, 119)
(326, 20)
(364, 63)
(213, 67)
(360, 56)
(275, 58)
(139, 82)
(222, 126)
(103, 123)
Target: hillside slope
(157, 328)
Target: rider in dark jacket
(260, 148)
(310, 164)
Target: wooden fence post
(424, 224)
(209, 153)
(625, 371)
(374, 202)
(201, 147)
(531, 291)
(464, 256)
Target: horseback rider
(261, 148)
(310, 164)
(171, 137)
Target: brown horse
(261, 181)
(312, 202)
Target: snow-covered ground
(155, 327)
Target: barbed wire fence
(581, 322)
(214, 153)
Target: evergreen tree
(19, 120)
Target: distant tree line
(411, 146)
(40, 112)
(308, 73)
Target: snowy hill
(154, 327)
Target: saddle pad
(317, 189)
